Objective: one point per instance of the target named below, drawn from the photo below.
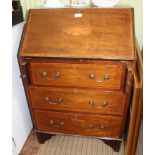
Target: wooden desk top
(98, 33)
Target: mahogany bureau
(76, 68)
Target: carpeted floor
(71, 145)
(140, 141)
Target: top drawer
(109, 76)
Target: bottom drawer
(79, 124)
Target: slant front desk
(77, 68)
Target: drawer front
(78, 100)
(79, 124)
(78, 75)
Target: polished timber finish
(78, 100)
(99, 33)
(101, 75)
(77, 71)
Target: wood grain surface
(78, 100)
(99, 33)
(74, 64)
(79, 124)
(78, 75)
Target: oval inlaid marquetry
(78, 30)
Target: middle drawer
(78, 100)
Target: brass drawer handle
(56, 124)
(103, 104)
(105, 77)
(59, 100)
(45, 75)
(92, 127)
